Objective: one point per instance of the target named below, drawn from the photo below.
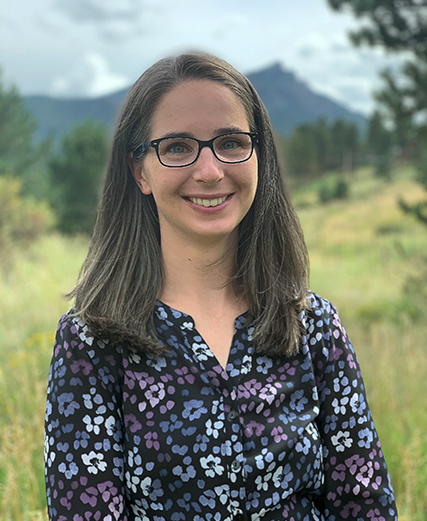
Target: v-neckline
(184, 326)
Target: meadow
(363, 250)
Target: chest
(188, 420)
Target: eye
(177, 148)
(230, 143)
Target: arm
(357, 484)
(83, 430)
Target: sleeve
(83, 429)
(357, 485)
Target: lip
(208, 209)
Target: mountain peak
(275, 70)
(288, 100)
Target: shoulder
(75, 341)
(318, 313)
(80, 360)
(323, 331)
(70, 326)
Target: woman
(162, 405)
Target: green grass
(31, 302)
(362, 250)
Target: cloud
(100, 11)
(89, 76)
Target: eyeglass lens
(231, 148)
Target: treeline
(338, 146)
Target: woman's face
(207, 200)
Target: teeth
(208, 202)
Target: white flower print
(340, 405)
(83, 332)
(213, 428)
(94, 462)
(342, 440)
(212, 465)
(93, 427)
(202, 351)
(132, 481)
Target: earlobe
(136, 169)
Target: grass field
(362, 251)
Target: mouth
(208, 203)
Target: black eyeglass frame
(154, 143)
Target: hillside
(289, 102)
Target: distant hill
(289, 103)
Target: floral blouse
(131, 436)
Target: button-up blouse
(134, 436)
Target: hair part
(122, 275)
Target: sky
(88, 48)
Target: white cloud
(90, 76)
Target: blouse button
(232, 415)
(236, 465)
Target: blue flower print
(67, 405)
(194, 409)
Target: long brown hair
(122, 275)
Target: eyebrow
(217, 132)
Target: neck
(199, 275)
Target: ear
(138, 175)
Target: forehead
(199, 107)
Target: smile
(207, 202)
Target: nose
(207, 168)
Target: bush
(337, 190)
(22, 220)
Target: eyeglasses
(177, 152)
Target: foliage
(76, 173)
(394, 24)
(313, 149)
(16, 131)
(399, 26)
(22, 219)
(18, 155)
(379, 145)
(335, 190)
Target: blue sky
(70, 48)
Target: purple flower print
(132, 423)
(151, 441)
(351, 510)
(254, 426)
(278, 434)
(269, 392)
(155, 393)
(375, 515)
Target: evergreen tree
(76, 173)
(379, 145)
(399, 26)
(19, 156)
(17, 127)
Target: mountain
(289, 103)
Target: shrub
(22, 219)
(337, 190)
